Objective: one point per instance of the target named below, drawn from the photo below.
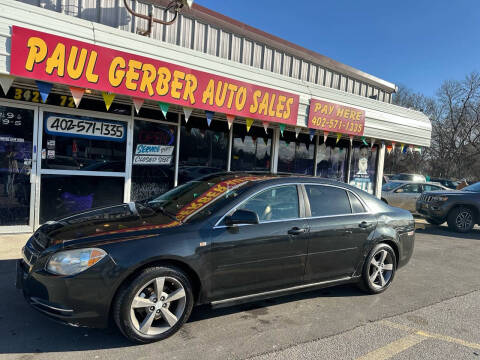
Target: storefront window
(16, 136)
(63, 195)
(83, 143)
(295, 154)
(203, 149)
(153, 165)
(363, 168)
(251, 151)
(332, 160)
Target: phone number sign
(85, 128)
(337, 118)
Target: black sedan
(221, 240)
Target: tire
(372, 274)
(461, 219)
(434, 221)
(160, 317)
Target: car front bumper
(80, 300)
(438, 211)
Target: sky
(414, 43)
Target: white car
(404, 194)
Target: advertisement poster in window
(362, 173)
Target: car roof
(403, 182)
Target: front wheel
(154, 305)
(461, 219)
(379, 269)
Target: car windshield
(473, 188)
(199, 198)
(390, 186)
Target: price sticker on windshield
(85, 128)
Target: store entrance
(17, 168)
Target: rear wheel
(461, 219)
(379, 269)
(434, 221)
(154, 305)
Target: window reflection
(295, 154)
(251, 151)
(83, 143)
(332, 160)
(153, 159)
(203, 149)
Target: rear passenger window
(357, 206)
(327, 200)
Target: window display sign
(57, 59)
(152, 160)
(337, 118)
(78, 127)
(146, 149)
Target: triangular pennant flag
(77, 94)
(325, 135)
(312, 134)
(389, 149)
(339, 136)
(249, 122)
(108, 99)
(137, 102)
(418, 149)
(6, 82)
(209, 115)
(282, 128)
(393, 145)
(372, 141)
(364, 141)
(297, 131)
(187, 112)
(230, 119)
(265, 126)
(402, 147)
(44, 89)
(164, 107)
(351, 140)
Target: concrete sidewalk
(11, 245)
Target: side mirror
(242, 217)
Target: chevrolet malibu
(221, 240)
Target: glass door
(17, 167)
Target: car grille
(34, 247)
(426, 198)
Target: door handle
(296, 231)
(364, 225)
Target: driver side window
(278, 203)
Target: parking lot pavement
(434, 299)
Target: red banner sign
(56, 59)
(337, 118)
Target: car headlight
(72, 262)
(439, 198)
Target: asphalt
(436, 294)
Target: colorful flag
(249, 122)
(44, 89)
(209, 115)
(137, 103)
(108, 99)
(77, 94)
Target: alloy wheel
(464, 220)
(158, 305)
(380, 270)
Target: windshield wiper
(168, 213)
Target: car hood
(103, 224)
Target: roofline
(224, 22)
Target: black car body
(460, 208)
(199, 231)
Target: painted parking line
(427, 334)
(394, 348)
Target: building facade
(93, 114)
